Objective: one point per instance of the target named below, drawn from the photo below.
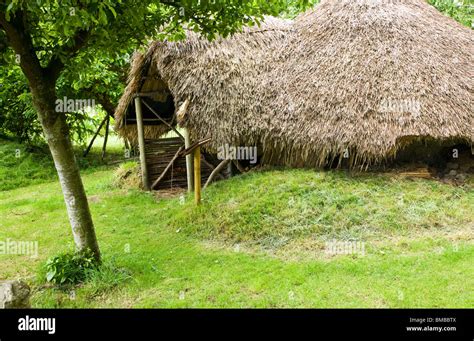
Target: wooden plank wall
(158, 155)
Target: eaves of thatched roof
(361, 77)
(212, 75)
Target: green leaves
(460, 10)
(66, 29)
(70, 268)
(11, 7)
(17, 116)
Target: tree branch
(20, 40)
(106, 102)
(56, 65)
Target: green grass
(22, 166)
(288, 204)
(418, 236)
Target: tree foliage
(17, 115)
(103, 35)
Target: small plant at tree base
(70, 268)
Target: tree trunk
(56, 133)
(42, 82)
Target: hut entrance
(164, 165)
(150, 123)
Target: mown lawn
(257, 241)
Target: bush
(70, 268)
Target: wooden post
(230, 171)
(197, 175)
(141, 143)
(216, 171)
(93, 138)
(189, 161)
(104, 147)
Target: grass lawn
(21, 165)
(258, 240)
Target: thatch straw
(363, 77)
(219, 78)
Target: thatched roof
(357, 76)
(219, 78)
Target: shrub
(70, 268)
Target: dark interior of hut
(444, 159)
(450, 160)
(164, 109)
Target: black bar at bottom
(105, 324)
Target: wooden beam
(195, 145)
(141, 143)
(162, 120)
(104, 147)
(239, 166)
(94, 137)
(131, 120)
(197, 175)
(189, 161)
(181, 113)
(152, 93)
(157, 181)
(216, 171)
(212, 167)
